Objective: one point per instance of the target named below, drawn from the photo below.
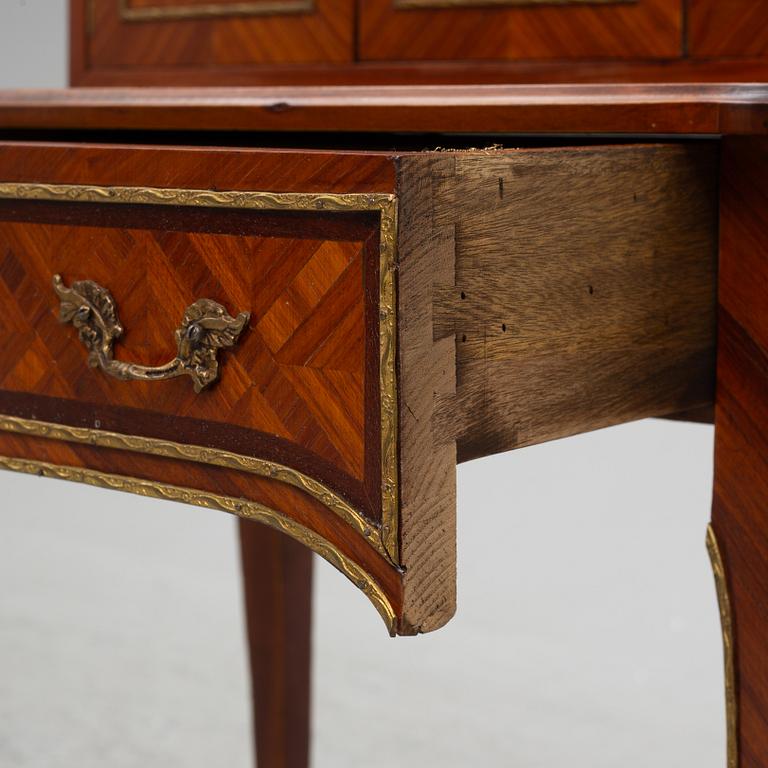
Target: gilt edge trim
(729, 647)
(200, 455)
(248, 510)
(184, 11)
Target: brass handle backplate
(205, 329)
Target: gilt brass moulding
(248, 510)
(181, 11)
(496, 3)
(726, 623)
(383, 538)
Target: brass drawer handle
(205, 328)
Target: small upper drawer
(146, 35)
(518, 30)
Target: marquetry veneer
(405, 311)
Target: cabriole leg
(740, 506)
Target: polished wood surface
(563, 109)
(644, 30)
(230, 168)
(277, 592)
(741, 426)
(585, 290)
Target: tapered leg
(277, 586)
(740, 507)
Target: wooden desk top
(670, 109)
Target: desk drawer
(519, 30)
(225, 328)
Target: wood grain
(426, 371)
(646, 29)
(584, 292)
(563, 109)
(741, 425)
(275, 170)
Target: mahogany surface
(492, 109)
(741, 427)
(198, 168)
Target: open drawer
(312, 339)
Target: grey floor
(587, 634)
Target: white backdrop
(587, 634)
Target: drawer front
(113, 35)
(299, 427)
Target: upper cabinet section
(406, 42)
(181, 35)
(503, 30)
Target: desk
(347, 312)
